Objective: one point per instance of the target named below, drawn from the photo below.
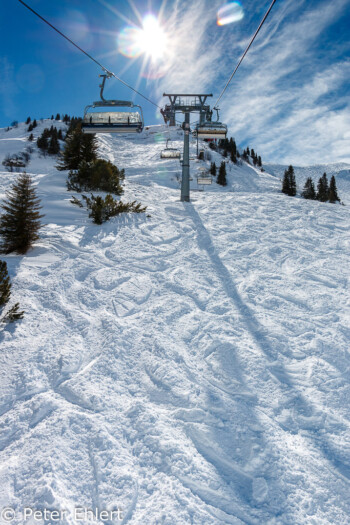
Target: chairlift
(212, 130)
(112, 121)
(204, 177)
(170, 153)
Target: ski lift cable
(245, 52)
(109, 73)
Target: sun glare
(149, 40)
(152, 39)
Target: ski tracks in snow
(183, 367)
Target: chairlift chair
(211, 130)
(112, 121)
(170, 153)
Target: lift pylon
(186, 104)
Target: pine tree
(54, 146)
(58, 117)
(20, 223)
(309, 190)
(259, 162)
(5, 293)
(5, 284)
(233, 157)
(286, 183)
(332, 192)
(79, 147)
(222, 175)
(43, 142)
(322, 189)
(289, 186)
(213, 169)
(52, 117)
(28, 120)
(293, 184)
(31, 137)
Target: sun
(152, 38)
(149, 40)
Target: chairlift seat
(212, 130)
(112, 122)
(170, 153)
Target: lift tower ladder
(187, 104)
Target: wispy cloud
(288, 99)
(287, 102)
(192, 62)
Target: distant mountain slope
(190, 367)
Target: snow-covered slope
(190, 367)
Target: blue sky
(290, 99)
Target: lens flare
(229, 13)
(128, 42)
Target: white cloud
(284, 100)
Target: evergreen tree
(213, 169)
(322, 189)
(233, 157)
(248, 151)
(34, 123)
(31, 137)
(332, 192)
(43, 142)
(60, 134)
(52, 117)
(5, 293)
(79, 147)
(289, 186)
(293, 184)
(286, 183)
(309, 190)
(222, 175)
(20, 223)
(54, 146)
(5, 284)
(99, 175)
(28, 120)
(259, 162)
(58, 117)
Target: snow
(190, 367)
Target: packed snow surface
(187, 366)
